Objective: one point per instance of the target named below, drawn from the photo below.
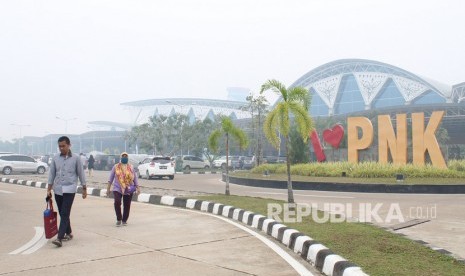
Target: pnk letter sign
(423, 139)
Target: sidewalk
(157, 241)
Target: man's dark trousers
(64, 203)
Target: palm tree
(230, 131)
(295, 101)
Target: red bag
(50, 220)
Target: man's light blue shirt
(64, 173)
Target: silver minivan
(193, 162)
(21, 163)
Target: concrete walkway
(157, 241)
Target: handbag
(50, 220)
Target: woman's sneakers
(121, 223)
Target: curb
(307, 248)
(351, 187)
(198, 172)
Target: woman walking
(125, 183)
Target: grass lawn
(411, 181)
(377, 251)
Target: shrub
(367, 170)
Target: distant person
(90, 164)
(83, 160)
(65, 170)
(125, 183)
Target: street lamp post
(20, 135)
(66, 122)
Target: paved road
(158, 241)
(446, 228)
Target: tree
(228, 130)
(300, 152)
(295, 101)
(260, 105)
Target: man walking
(65, 169)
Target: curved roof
(371, 76)
(111, 124)
(187, 102)
(192, 107)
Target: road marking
(6, 192)
(271, 193)
(298, 267)
(34, 244)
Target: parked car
(221, 162)
(21, 163)
(275, 159)
(249, 162)
(105, 162)
(192, 162)
(158, 166)
(237, 162)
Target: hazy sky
(83, 58)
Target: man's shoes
(68, 237)
(125, 223)
(57, 242)
(118, 223)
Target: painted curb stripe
(275, 230)
(226, 210)
(320, 258)
(190, 204)
(167, 200)
(245, 217)
(281, 233)
(255, 221)
(286, 239)
(293, 239)
(305, 248)
(143, 197)
(354, 271)
(342, 266)
(313, 252)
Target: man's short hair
(64, 139)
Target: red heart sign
(334, 136)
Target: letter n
(387, 140)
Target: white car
(21, 163)
(221, 162)
(158, 166)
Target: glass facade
(388, 96)
(318, 106)
(349, 98)
(429, 97)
